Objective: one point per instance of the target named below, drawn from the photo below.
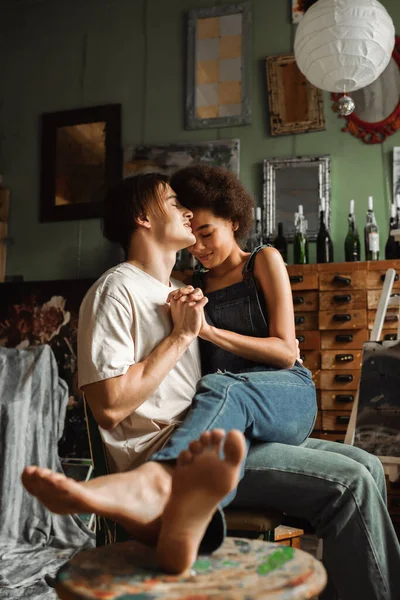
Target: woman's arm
(280, 349)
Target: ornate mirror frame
(373, 133)
(311, 200)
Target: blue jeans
(269, 405)
(341, 492)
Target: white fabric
(344, 45)
(123, 317)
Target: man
(339, 489)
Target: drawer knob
(342, 378)
(296, 278)
(342, 420)
(342, 317)
(301, 338)
(341, 298)
(343, 398)
(391, 318)
(396, 277)
(298, 300)
(344, 357)
(299, 320)
(342, 280)
(345, 337)
(390, 337)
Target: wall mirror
(377, 112)
(290, 181)
(80, 156)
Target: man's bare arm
(114, 399)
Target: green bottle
(371, 233)
(300, 242)
(352, 245)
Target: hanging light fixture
(344, 45)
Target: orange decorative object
(373, 133)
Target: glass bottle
(371, 233)
(300, 242)
(391, 245)
(397, 223)
(324, 242)
(280, 242)
(352, 245)
(256, 236)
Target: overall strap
(248, 267)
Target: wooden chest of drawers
(335, 306)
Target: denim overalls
(265, 403)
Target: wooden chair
(240, 523)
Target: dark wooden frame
(111, 114)
(276, 95)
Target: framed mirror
(80, 156)
(377, 112)
(290, 181)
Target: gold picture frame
(295, 105)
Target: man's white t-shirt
(122, 318)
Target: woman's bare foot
(135, 499)
(199, 482)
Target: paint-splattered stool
(240, 569)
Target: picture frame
(80, 156)
(168, 158)
(295, 105)
(218, 92)
(298, 8)
(292, 180)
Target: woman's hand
(187, 309)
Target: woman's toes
(217, 435)
(205, 438)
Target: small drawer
(337, 400)
(311, 359)
(305, 301)
(335, 420)
(375, 279)
(353, 299)
(342, 319)
(303, 278)
(393, 487)
(318, 421)
(339, 380)
(373, 297)
(394, 504)
(342, 280)
(309, 340)
(391, 318)
(306, 321)
(343, 339)
(388, 335)
(341, 359)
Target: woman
(248, 344)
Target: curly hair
(218, 190)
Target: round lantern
(344, 45)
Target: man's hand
(187, 312)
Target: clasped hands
(187, 311)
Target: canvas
(168, 158)
(46, 312)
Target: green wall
(61, 54)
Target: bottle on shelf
(324, 242)
(391, 245)
(352, 245)
(256, 235)
(371, 233)
(280, 243)
(397, 198)
(300, 242)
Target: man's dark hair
(133, 197)
(218, 190)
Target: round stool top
(240, 569)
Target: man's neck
(155, 261)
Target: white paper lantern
(344, 45)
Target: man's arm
(112, 400)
